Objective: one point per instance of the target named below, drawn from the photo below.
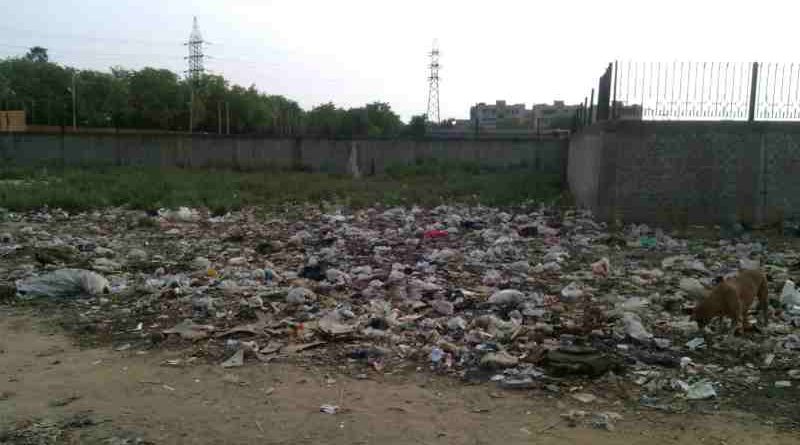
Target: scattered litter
(584, 397)
(696, 343)
(701, 391)
(183, 214)
(64, 283)
(571, 293)
(601, 268)
(605, 420)
(235, 361)
(508, 297)
(189, 330)
(526, 297)
(634, 327)
(693, 287)
(329, 409)
(498, 360)
(790, 296)
(432, 234)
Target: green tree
(41, 87)
(416, 127)
(287, 117)
(155, 99)
(325, 121)
(102, 99)
(211, 92)
(37, 54)
(383, 122)
(5, 87)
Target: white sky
(353, 51)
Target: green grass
(428, 183)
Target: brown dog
(732, 298)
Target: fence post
(751, 116)
(604, 95)
(614, 97)
(585, 110)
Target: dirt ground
(99, 395)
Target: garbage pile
(524, 297)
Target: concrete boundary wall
(679, 173)
(253, 153)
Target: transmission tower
(196, 55)
(433, 85)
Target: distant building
(12, 121)
(489, 116)
(558, 116)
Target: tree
(42, 86)
(416, 127)
(355, 124)
(325, 121)
(155, 99)
(5, 87)
(210, 95)
(37, 54)
(102, 99)
(383, 122)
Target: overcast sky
(351, 52)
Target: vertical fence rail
(685, 90)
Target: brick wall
(249, 153)
(688, 172)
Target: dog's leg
(763, 303)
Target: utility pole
(228, 115)
(751, 111)
(191, 110)
(74, 104)
(219, 117)
(433, 85)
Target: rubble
(524, 296)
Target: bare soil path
(52, 391)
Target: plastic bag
(694, 288)
(601, 268)
(183, 214)
(432, 234)
(64, 283)
(789, 294)
(634, 328)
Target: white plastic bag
(789, 295)
(64, 283)
(634, 327)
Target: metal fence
(713, 91)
